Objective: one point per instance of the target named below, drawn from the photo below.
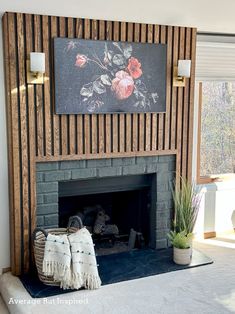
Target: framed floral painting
(93, 76)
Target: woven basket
(39, 242)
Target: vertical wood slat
(64, 121)
(185, 122)
(46, 86)
(94, 29)
(135, 132)
(130, 31)
(94, 133)
(128, 115)
(168, 88)
(108, 133)
(102, 134)
(38, 88)
(142, 115)
(86, 134)
(174, 90)
(154, 132)
(154, 144)
(191, 103)
(8, 84)
(72, 117)
(180, 103)
(122, 132)
(115, 130)
(141, 131)
(13, 141)
(87, 126)
(115, 133)
(24, 138)
(105, 121)
(148, 132)
(56, 126)
(128, 132)
(161, 116)
(79, 34)
(31, 131)
(80, 134)
(94, 118)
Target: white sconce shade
(37, 62)
(184, 68)
(36, 68)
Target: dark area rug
(120, 267)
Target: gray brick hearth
(51, 173)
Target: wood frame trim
(201, 180)
(209, 235)
(212, 178)
(9, 137)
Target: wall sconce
(181, 72)
(36, 68)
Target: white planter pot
(182, 256)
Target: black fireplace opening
(118, 211)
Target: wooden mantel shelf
(103, 155)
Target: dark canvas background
(69, 79)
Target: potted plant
(186, 199)
(181, 247)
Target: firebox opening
(117, 211)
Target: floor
(203, 290)
(3, 308)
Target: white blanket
(71, 260)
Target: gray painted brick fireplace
(51, 173)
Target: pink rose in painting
(134, 68)
(122, 85)
(80, 60)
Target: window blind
(215, 58)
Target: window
(215, 72)
(217, 128)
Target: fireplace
(134, 192)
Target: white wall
(217, 210)
(210, 15)
(4, 207)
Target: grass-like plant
(180, 240)
(186, 202)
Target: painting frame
(99, 76)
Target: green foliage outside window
(217, 154)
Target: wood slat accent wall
(36, 134)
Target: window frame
(212, 178)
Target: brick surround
(50, 174)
